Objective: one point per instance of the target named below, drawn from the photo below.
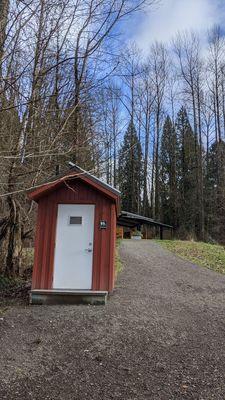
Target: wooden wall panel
(112, 249)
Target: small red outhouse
(75, 239)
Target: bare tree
(54, 57)
(146, 96)
(158, 62)
(187, 49)
(216, 76)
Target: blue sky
(169, 16)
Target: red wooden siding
(78, 192)
(112, 248)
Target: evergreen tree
(130, 171)
(215, 192)
(169, 153)
(188, 191)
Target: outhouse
(75, 239)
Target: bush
(9, 283)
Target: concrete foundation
(60, 296)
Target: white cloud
(163, 22)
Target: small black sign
(75, 220)
(103, 224)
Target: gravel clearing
(160, 336)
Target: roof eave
(49, 187)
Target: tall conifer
(188, 209)
(215, 192)
(169, 154)
(130, 171)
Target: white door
(74, 247)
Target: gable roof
(131, 220)
(75, 173)
(94, 178)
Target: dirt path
(161, 337)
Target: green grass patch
(7, 283)
(206, 255)
(118, 263)
(27, 257)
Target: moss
(118, 263)
(27, 257)
(7, 283)
(207, 255)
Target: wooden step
(68, 296)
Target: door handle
(88, 250)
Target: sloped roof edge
(74, 172)
(74, 166)
(128, 216)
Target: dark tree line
(183, 151)
(130, 171)
(178, 170)
(178, 186)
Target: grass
(118, 263)
(7, 283)
(206, 255)
(27, 259)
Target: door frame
(52, 250)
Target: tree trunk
(157, 165)
(145, 193)
(201, 177)
(4, 9)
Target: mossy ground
(207, 255)
(118, 263)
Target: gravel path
(161, 336)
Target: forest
(152, 125)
